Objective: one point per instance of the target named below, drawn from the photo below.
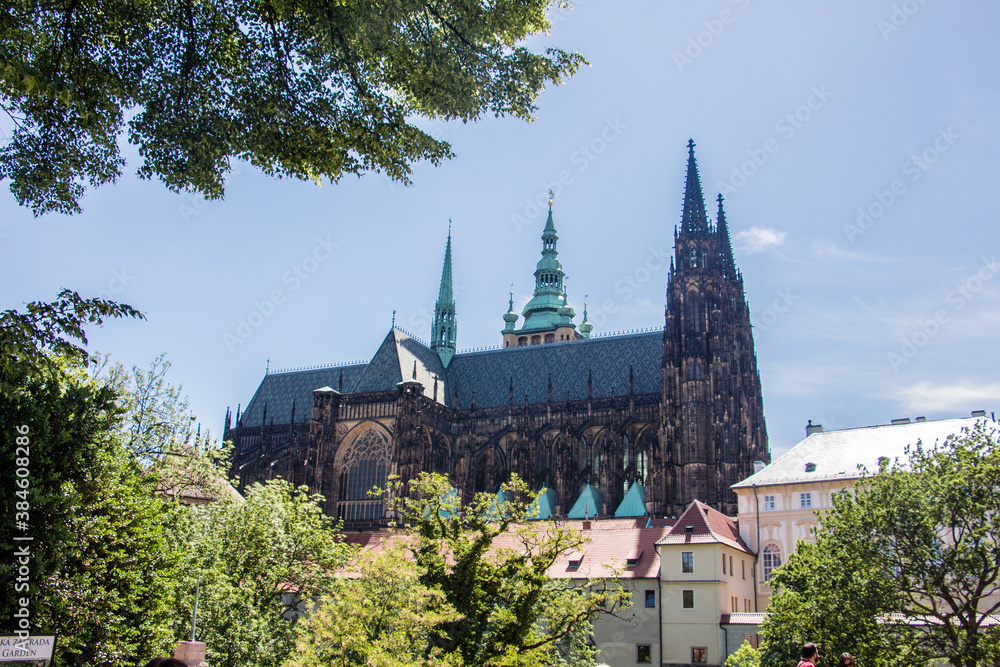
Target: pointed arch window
(693, 261)
(364, 468)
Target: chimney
(979, 413)
(758, 466)
(904, 420)
(810, 429)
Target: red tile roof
(607, 551)
(707, 526)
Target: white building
(777, 505)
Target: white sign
(35, 647)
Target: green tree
(381, 615)
(491, 562)
(745, 656)
(905, 568)
(100, 567)
(299, 88)
(257, 565)
(158, 428)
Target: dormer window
(633, 558)
(574, 561)
(810, 467)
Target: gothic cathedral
(621, 425)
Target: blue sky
(857, 143)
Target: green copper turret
(445, 327)
(542, 312)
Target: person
(165, 662)
(810, 656)
(847, 660)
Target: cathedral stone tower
(713, 422)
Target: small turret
(566, 312)
(585, 327)
(510, 317)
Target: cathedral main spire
(445, 326)
(694, 218)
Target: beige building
(706, 574)
(777, 505)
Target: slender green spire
(444, 330)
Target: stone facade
(674, 413)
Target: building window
(723, 563)
(643, 653)
(364, 468)
(687, 562)
(650, 598)
(731, 573)
(752, 639)
(805, 500)
(687, 599)
(744, 564)
(699, 654)
(768, 503)
(771, 559)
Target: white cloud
(959, 397)
(758, 239)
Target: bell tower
(712, 428)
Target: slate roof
(707, 526)
(279, 389)
(837, 454)
(487, 373)
(399, 358)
